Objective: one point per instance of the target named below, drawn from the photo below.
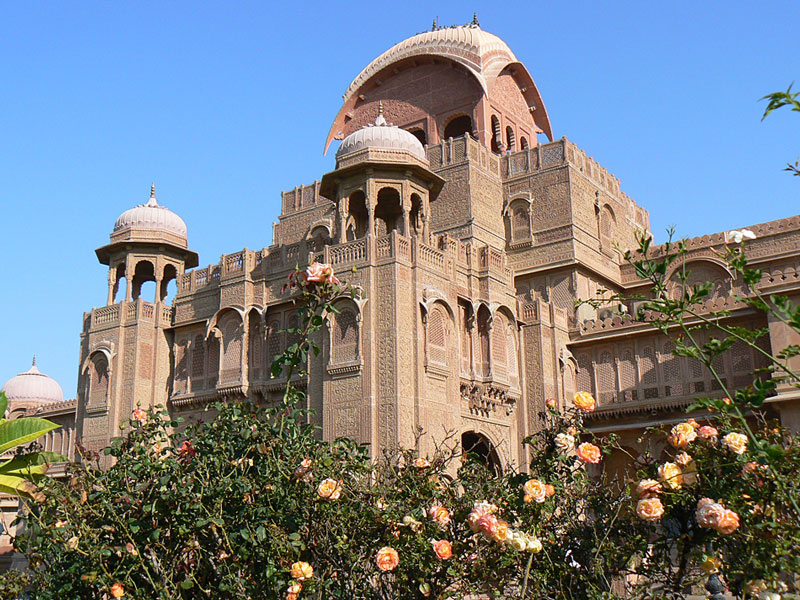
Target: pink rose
(320, 273)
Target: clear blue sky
(224, 105)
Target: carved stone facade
(470, 253)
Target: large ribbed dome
(381, 135)
(32, 388)
(151, 216)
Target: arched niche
(345, 338)
(478, 447)
(511, 139)
(497, 135)
(168, 284)
(415, 216)
(458, 126)
(357, 216)
(143, 273)
(388, 211)
(698, 272)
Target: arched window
(388, 213)
(118, 276)
(357, 216)
(168, 285)
(419, 133)
(513, 363)
(510, 139)
(671, 373)
(464, 321)
(523, 142)
(98, 377)
(212, 365)
(415, 216)
(198, 363)
(520, 221)
(232, 336)
(344, 340)
(143, 273)
(607, 224)
(319, 237)
(458, 126)
(606, 377)
(437, 335)
(477, 446)
(483, 335)
(274, 338)
(497, 136)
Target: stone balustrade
(129, 312)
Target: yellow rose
(302, 571)
(330, 489)
(501, 531)
(681, 435)
(649, 509)
(117, 591)
(584, 401)
(735, 442)
(670, 475)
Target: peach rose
(387, 559)
(320, 273)
(549, 490)
(650, 509)
(294, 591)
(683, 458)
(330, 489)
(648, 488)
(551, 403)
(589, 453)
(117, 591)
(709, 513)
(443, 549)
(584, 401)
(707, 433)
(302, 571)
(681, 435)
(670, 475)
(421, 463)
(735, 442)
(140, 416)
(728, 523)
(535, 489)
(439, 514)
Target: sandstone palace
(471, 241)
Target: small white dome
(151, 216)
(381, 135)
(32, 388)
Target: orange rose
(650, 509)
(584, 401)
(501, 531)
(549, 490)
(117, 590)
(589, 453)
(728, 523)
(421, 463)
(443, 549)
(439, 514)
(302, 571)
(535, 489)
(330, 489)
(387, 559)
(140, 416)
(294, 591)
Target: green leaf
(23, 430)
(34, 464)
(3, 404)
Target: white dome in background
(151, 216)
(381, 135)
(32, 388)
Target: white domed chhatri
(381, 135)
(151, 216)
(32, 388)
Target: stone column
(406, 222)
(112, 275)
(342, 220)
(158, 298)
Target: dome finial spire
(33, 364)
(475, 19)
(152, 201)
(380, 120)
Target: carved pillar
(371, 220)
(342, 220)
(425, 230)
(158, 291)
(112, 275)
(406, 222)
